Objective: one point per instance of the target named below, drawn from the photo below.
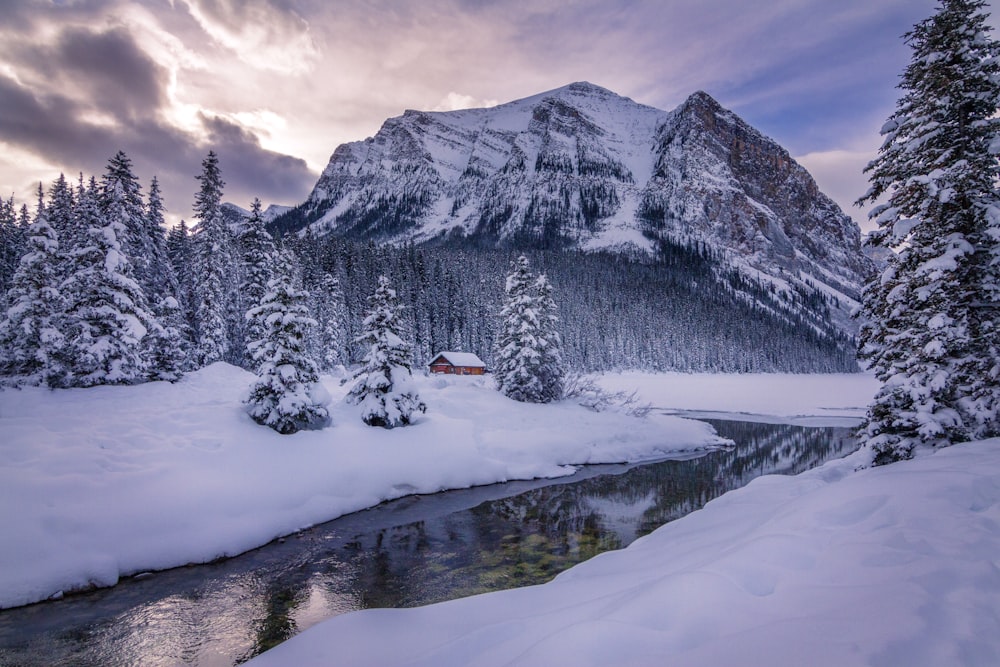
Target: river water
(408, 552)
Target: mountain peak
(588, 88)
(581, 166)
(702, 101)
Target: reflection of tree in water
(278, 623)
(389, 565)
(529, 538)
(761, 449)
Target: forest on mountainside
(683, 310)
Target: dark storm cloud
(254, 170)
(46, 124)
(84, 95)
(119, 75)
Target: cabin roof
(460, 359)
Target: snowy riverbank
(888, 566)
(103, 482)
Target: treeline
(96, 291)
(684, 310)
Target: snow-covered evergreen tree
(329, 311)
(287, 395)
(383, 385)
(161, 280)
(930, 329)
(165, 346)
(213, 268)
(61, 214)
(31, 336)
(259, 259)
(180, 251)
(13, 241)
(106, 312)
(528, 350)
(120, 201)
(550, 368)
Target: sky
(274, 86)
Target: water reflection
(413, 551)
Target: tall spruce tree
(551, 371)
(31, 338)
(161, 280)
(180, 251)
(259, 259)
(528, 349)
(327, 305)
(213, 267)
(287, 395)
(12, 245)
(121, 203)
(382, 386)
(106, 312)
(61, 213)
(930, 320)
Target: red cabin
(457, 363)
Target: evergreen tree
(528, 349)
(13, 241)
(61, 214)
(31, 332)
(213, 268)
(550, 368)
(121, 203)
(329, 312)
(106, 315)
(161, 279)
(165, 346)
(382, 386)
(181, 255)
(931, 318)
(259, 258)
(287, 395)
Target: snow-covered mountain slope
(582, 167)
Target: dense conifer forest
(178, 300)
(684, 310)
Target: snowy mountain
(583, 167)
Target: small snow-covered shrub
(583, 390)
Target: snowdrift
(104, 482)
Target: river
(412, 551)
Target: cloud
(118, 74)
(266, 34)
(72, 95)
(454, 101)
(244, 162)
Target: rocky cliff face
(583, 167)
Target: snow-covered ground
(891, 566)
(108, 481)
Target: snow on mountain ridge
(581, 166)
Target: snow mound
(103, 482)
